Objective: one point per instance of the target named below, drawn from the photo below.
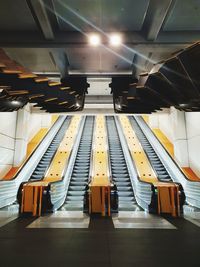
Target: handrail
(109, 162)
(137, 184)
(145, 128)
(150, 159)
(180, 169)
(35, 180)
(58, 200)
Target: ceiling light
(115, 40)
(15, 102)
(94, 40)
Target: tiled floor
(101, 244)
(193, 217)
(62, 219)
(8, 214)
(140, 220)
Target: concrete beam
(77, 39)
(60, 60)
(156, 14)
(40, 15)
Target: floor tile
(140, 220)
(62, 219)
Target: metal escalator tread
(156, 163)
(80, 174)
(43, 164)
(119, 169)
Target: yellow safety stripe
(100, 170)
(144, 169)
(61, 158)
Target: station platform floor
(134, 239)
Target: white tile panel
(181, 152)
(8, 123)
(20, 152)
(7, 142)
(6, 156)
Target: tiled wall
(16, 130)
(7, 140)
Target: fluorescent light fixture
(115, 40)
(94, 40)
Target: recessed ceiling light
(94, 40)
(115, 40)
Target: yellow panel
(60, 160)
(164, 140)
(32, 145)
(170, 148)
(54, 118)
(143, 165)
(100, 172)
(146, 118)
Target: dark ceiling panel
(123, 15)
(16, 16)
(36, 60)
(112, 15)
(99, 60)
(83, 59)
(116, 60)
(184, 16)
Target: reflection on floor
(62, 219)
(193, 217)
(8, 214)
(140, 220)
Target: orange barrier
(32, 198)
(190, 174)
(168, 199)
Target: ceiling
(50, 36)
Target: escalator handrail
(174, 162)
(150, 159)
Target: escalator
(159, 168)
(81, 169)
(46, 159)
(120, 174)
(10, 188)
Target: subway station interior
(99, 133)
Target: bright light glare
(15, 102)
(94, 40)
(115, 40)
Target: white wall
(183, 130)
(165, 125)
(16, 130)
(28, 124)
(172, 124)
(7, 140)
(193, 136)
